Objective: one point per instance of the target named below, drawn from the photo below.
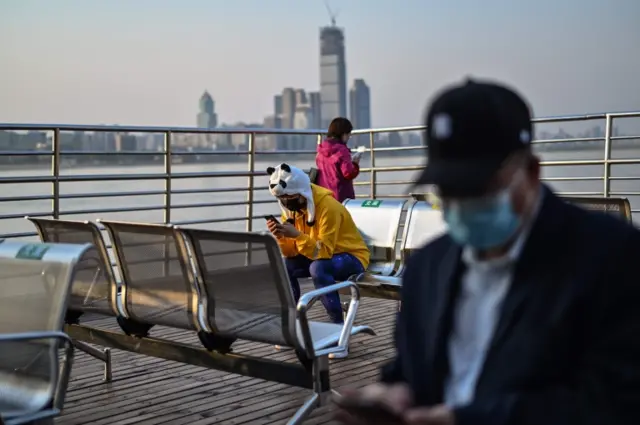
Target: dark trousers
(323, 273)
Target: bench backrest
(246, 292)
(156, 282)
(35, 282)
(424, 224)
(94, 287)
(378, 222)
(620, 207)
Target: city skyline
(117, 62)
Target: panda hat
(287, 180)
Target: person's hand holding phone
(281, 230)
(374, 404)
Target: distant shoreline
(218, 160)
(240, 158)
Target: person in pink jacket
(336, 166)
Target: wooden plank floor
(151, 391)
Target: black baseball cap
(471, 130)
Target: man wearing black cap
(527, 311)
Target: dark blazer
(566, 350)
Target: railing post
(55, 174)
(167, 178)
(167, 201)
(372, 188)
(251, 165)
(607, 154)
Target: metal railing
(369, 184)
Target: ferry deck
(147, 389)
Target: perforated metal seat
(247, 290)
(379, 223)
(156, 287)
(35, 284)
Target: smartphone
(271, 218)
(369, 411)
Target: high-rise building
(288, 107)
(277, 105)
(207, 117)
(333, 75)
(301, 97)
(360, 104)
(314, 103)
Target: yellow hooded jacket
(333, 232)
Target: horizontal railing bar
(26, 153)
(220, 204)
(395, 148)
(625, 193)
(571, 179)
(214, 190)
(578, 193)
(394, 182)
(120, 177)
(26, 198)
(287, 152)
(141, 176)
(208, 221)
(19, 235)
(625, 178)
(64, 153)
(616, 138)
(22, 215)
(112, 210)
(390, 168)
(110, 194)
(569, 140)
(589, 162)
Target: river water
(178, 214)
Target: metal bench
(94, 288)
(379, 223)
(224, 286)
(35, 282)
(620, 207)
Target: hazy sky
(146, 62)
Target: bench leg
(104, 355)
(321, 391)
(305, 410)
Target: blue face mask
(484, 223)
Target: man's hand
(437, 415)
(397, 398)
(282, 230)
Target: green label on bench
(33, 252)
(371, 203)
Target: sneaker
(339, 354)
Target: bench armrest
(65, 372)
(306, 302)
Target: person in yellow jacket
(317, 236)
